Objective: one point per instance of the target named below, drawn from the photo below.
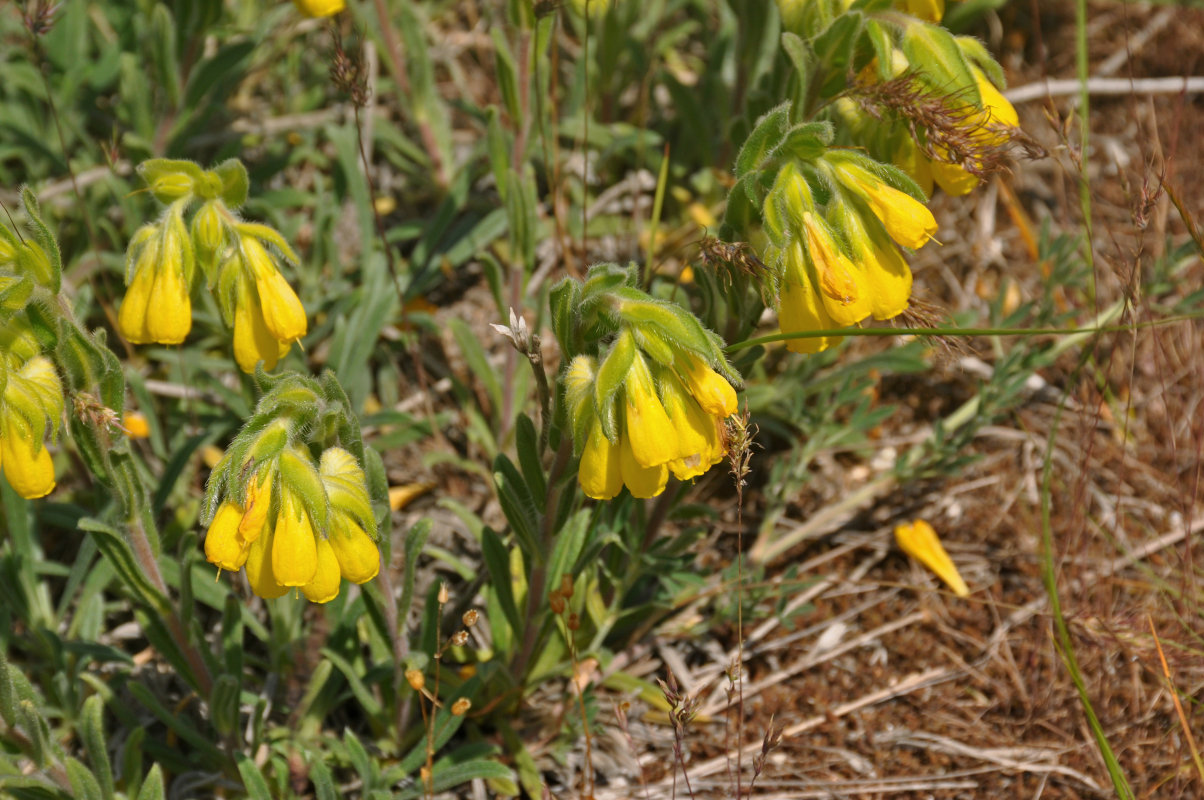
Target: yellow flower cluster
(268, 316)
(670, 423)
(157, 306)
(841, 268)
(281, 544)
(31, 406)
(238, 258)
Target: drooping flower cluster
(831, 185)
(291, 521)
(158, 304)
(268, 316)
(654, 404)
(838, 262)
(281, 545)
(31, 408)
(238, 259)
(669, 424)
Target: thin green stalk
(539, 573)
(964, 332)
(658, 201)
(1063, 640)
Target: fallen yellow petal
(402, 496)
(920, 541)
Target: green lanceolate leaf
(806, 142)
(564, 300)
(933, 53)
(84, 785)
(299, 475)
(497, 562)
(518, 505)
(116, 550)
(91, 730)
(323, 781)
(49, 247)
(834, 47)
(414, 543)
(8, 711)
(234, 182)
(612, 372)
(252, 778)
(152, 787)
(526, 444)
(223, 704)
(163, 52)
(765, 137)
(978, 55)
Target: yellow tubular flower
(920, 541)
(887, 275)
(131, 319)
(282, 310)
(889, 278)
(357, 554)
(996, 112)
(28, 470)
(169, 311)
(999, 110)
(907, 220)
(649, 431)
(259, 502)
(953, 179)
(690, 431)
(253, 342)
(223, 544)
(917, 165)
(643, 482)
(599, 473)
(324, 586)
(710, 389)
(707, 446)
(320, 8)
(259, 568)
(842, 286)
(800, 308)
(294, 548)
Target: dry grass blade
(1166, 672)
